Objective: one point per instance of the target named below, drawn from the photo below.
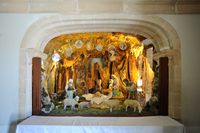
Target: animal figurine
(132, 104)
(113, 103)
(71, 102)
(82, 105)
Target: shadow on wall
(13, 123)
(175, 129)
(194, 129)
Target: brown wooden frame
(36, 86)
(163, 91)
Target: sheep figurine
(71, 102)
(113, 103)
(82, 105)
(132, 104)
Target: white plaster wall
(188, 29)
(14, 26)
(12, 30)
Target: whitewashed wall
(14, 26)
(188, 29)
(12, 30)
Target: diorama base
(98, 112)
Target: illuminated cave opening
(98, 73)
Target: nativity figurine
(70, 89)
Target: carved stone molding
(162, 34)
(101, 6)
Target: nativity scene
(97, 73)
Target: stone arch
(162, 34)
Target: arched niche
(161, 33)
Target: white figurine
(70, 89)
(71, 102)
(83, 105)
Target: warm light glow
(96, 55)
(139, 83)
(139, 89)
(56, 57)
(137, 49)
(80, 42)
